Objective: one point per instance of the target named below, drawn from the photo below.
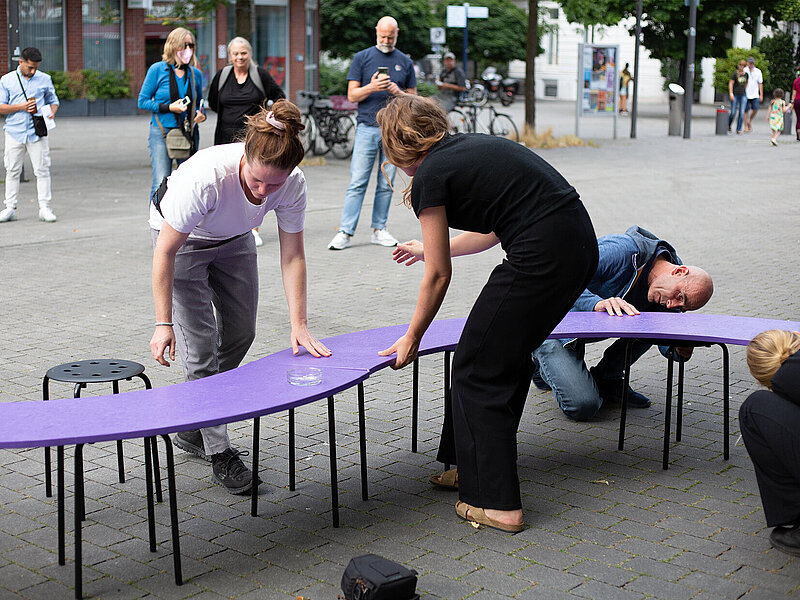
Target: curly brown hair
(410, 126)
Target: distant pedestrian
(25, 94)
(238, 90)
(166, 86)
(770, 424)
(205, 272)
(624, 81)
(777, 108)
(376, 74)
(754, 93)
(796, 102)
(737, 90)
(451, 83)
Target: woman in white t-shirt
(205, 276)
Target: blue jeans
(574, 387)
(159, 159)
(366, 148)
(737, 109)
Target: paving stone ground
(603, 523)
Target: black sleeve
(163, 107)
(272, 90)
(213, 92)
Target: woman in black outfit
(237, 91)
(770, 423)
(496, 191)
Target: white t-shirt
(205, 198)
(754, 77)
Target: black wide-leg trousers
(770, 428)
(546, 269)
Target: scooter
(498, 87)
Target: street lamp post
(689, 95)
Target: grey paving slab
(602, 523)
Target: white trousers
(13, 160)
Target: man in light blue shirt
(23, 93)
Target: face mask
(185, 55)
(386, 48)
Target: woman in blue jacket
(166, 84)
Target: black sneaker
(229, 471)
(786, 539)
(611, 392)
(536, 378)
(191, 441)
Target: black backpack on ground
(372, 577)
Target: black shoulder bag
(39, 126)
(372, 577)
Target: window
(551, 45)
(270, 41)
(311, 66)
(102, 39)
(41, 24)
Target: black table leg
(726, 401)
(154, 447)
(48, 476)
(334, 475)
(79, 500)
(151, 511)
(679, 414)
(120, 458)
(292, 469)
(625, 386)
(60, 491)
(414, 405)
(173, 511)
(668, 410)
(256, 450)
(448, 397)
(362, 441)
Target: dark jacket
(786, 381)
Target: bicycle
(327, 128)
(478, 119)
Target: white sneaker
(382, 237)
(257, 237)
(8, 214)
(340, 241)
(46, 215)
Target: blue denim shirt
(19, 125)
(622, 257)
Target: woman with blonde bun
(770, 424)
(205, 276)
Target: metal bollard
(788, 127)
(722, 120)
(675, 109)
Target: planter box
(97, 108)
(73, 108)
(120, 106)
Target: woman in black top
(497, 192)
(238, 91)
(770, 424)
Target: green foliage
(788, 10)
(91, 84)
(426, 88)
(780, 50)
(332, 78)
(727, 65)
(499, 39)
(348, 26)
(591, 12)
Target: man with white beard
(376, 75)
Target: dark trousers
(525, 297)
(770, 428)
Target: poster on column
(597, 66)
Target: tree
(591, 12)
(726, 65)
(499, 39)
(779, 51)
(348, 26)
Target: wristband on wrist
(163, 323)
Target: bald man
(376, 74)
(636, 272)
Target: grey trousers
(214, 303)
